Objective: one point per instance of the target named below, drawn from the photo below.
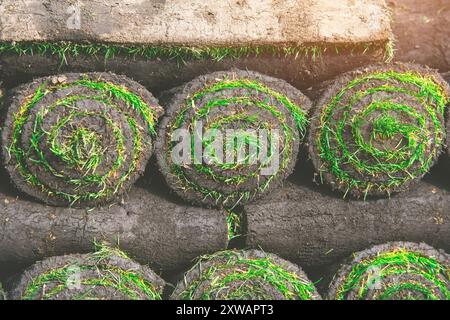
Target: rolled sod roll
(149, 227)
(241, 137)
(394, 271)
(245, 275)
(377, 130)
(78, 139)
(107, 274)
(315, 229)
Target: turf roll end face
(394, 271)
(239, 133)
(78, 139)
(377, 130)
(107, 274)
(244, 275)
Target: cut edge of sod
(247, 274)
(107, 271)
(385, 270)
(66, 49)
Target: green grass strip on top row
(64, 50)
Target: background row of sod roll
(78, 139)
(391, 271)
(377, 130)
(240, 101)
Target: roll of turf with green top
(78, 139)
(377, 130)
(394, 271)
(244, 275)
(261, 121)
(107, 274)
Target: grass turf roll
(394, 271)
(377, 130)
(151, 228)
(78, 139)
(244, 275)
(241, 103)
(315, 229)
(107, 274)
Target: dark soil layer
(235, 100)
(371, 132)
(104, 275)
(394, 271)
(315, 229)
(78, 139)
(421, 32)
(151, 228)
(162, 73)
(244, 275)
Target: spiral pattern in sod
(107, 274)
(394, 271)
(245, 275)
(378, 129)
(78, 139)
(260, 121)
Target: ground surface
(422, 31)
(196, 22)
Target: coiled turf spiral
(394, 271)
(78, 139)
(244, 275)
(107, 274)
(377, 130)
(240, 101)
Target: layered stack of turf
(394, 271)
(78, 139)
(247, 103)
(377, 130)
(107, 274)
(314, 228)
(150, 227)
(244, 275)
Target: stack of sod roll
(107, 274)
(75, 145)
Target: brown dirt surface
(422, 31)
